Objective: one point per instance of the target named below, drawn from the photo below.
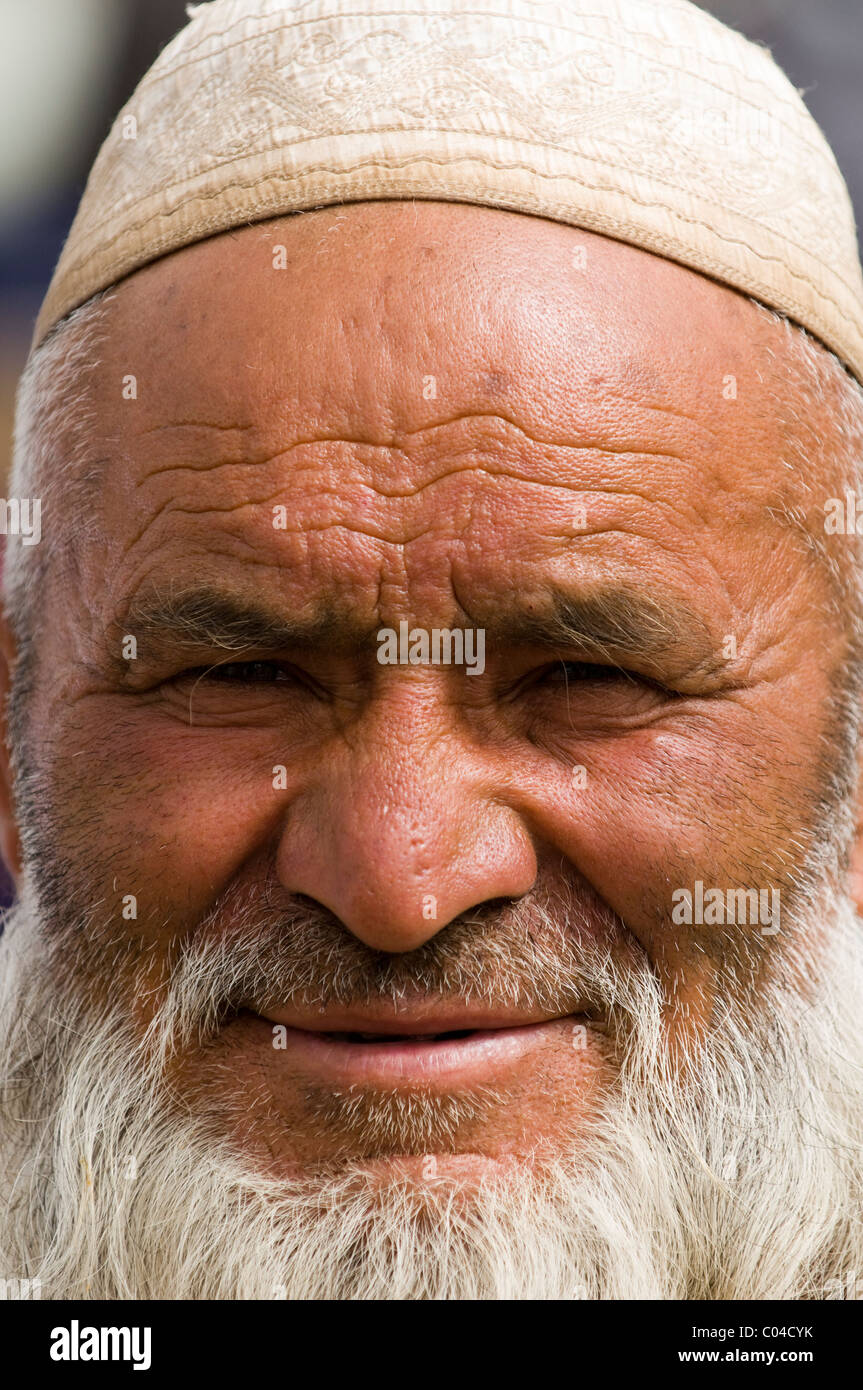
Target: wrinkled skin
(579, 434)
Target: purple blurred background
(66, 68)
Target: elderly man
(432, 722)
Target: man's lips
(449, 1045)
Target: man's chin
(462, 1173)
(285, 1117)
(390, 1135)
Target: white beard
(742, 1181)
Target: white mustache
(523, 955)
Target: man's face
(444, 417)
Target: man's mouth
(397, 1037)
(423, 1049)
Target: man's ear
(10, 843)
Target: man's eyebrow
(613, 621)
(209, 618)
(607, 624)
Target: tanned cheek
(183, 808)
(657, 812)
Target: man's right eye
(240, 673)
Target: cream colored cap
(645, 120)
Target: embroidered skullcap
(644, 120)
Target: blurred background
(66, 66)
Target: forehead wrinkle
(397, 443)
(675, 413)
(334, 493)
(396, 438)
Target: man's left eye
(583, 672)
(603, 690)
(242, 673)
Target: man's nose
(404, 832)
